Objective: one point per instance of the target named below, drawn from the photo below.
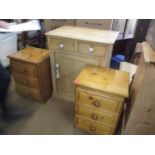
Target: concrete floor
(56, 117)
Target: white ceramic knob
(91, 50)
(61, 45)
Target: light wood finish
(105, 24)
(98, 50)
(71, 48)
(31, 71)
(98, 108)
(51, 24)
(99, 101)
(109, 80)
(149, 54)
(67, 44)
(92, 127)
(98, 116)
(85, 34)
(141, 118)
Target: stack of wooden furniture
(31, 71)
(100, 95)
(141, 118)
(71, 48)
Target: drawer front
(92, 127)
(24, 69)
(25, 81)
(62, 44)
(99, 102)
(92, 49)
(100, 117)
(28, 92)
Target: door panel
(69, 67)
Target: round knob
(22, 70)
(25, 82)
(92, 128)
(94, 116)
(28, 93)
(91, 50)
(61, 45)
(96, 104)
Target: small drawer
(28, 92)
(93, 127)
(62, 44)
(24, 69)
(26, 81)
(99, 102)
(100, 117)
(92, 49)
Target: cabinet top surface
(104, 79)
(86, 34)
(30, 54)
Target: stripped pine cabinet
(71, 48)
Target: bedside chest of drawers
(100, 93)
(31, 72)
(71, 48)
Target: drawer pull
(28, 93)
(22, 70)
(92, 128)
(24, 82)
(94, 117)
(90, 97)
(61, 45)
(91, 50)
(96, 104)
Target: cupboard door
(69, 66)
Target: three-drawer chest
(100, 95)
(71, 48)
(31, 72)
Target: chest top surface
(30, 54)
(85, 34)
(104, 79)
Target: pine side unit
(100, 95)
(71, 48)
(31, 71)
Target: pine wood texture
(141, 118)
(149, 53)
(98, 106)
(31, 71)
(104, 79)
(85, 34)
(71, 48)
(30, 54)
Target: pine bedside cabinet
(31, 72)
(100, 94)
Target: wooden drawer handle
(94, 117)
(28, 93)
(96, 104)
(25, 82)
(92, 128)
(22, 70)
